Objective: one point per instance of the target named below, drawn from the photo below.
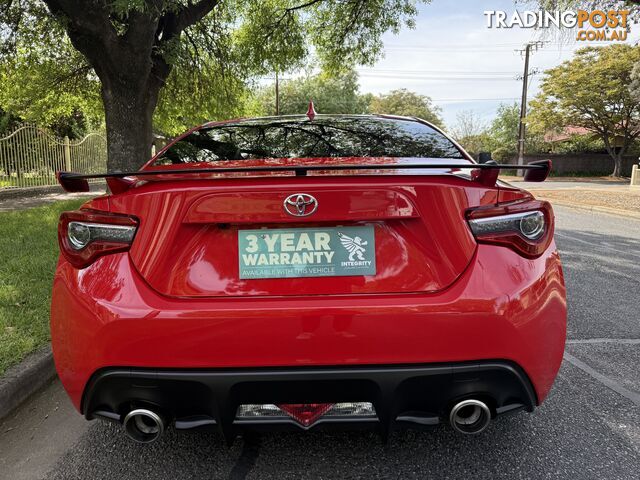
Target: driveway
(589, 427)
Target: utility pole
(277, 95)
(526, 51)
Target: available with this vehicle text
(308, 272)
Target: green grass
(28, 256)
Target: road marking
(608, 382)
(621, 341)
(583, 255)
(596, 245)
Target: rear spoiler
(484, 173)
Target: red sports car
(308, 271)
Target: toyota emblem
(300, 204)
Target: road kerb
(23, 380)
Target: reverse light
(306, 414)
(529, 224)
(79, 235)
(82, 234)
(524, 226)
(85, 235)
(532, 225)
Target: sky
(453, 57)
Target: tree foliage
(405, 102)
(8, 121)
(503, 133)
(468, 124)
(185, 60)
(330, 94)
(49, 90)
(592, 90)
(42, 77)
(471, 132)
(340, 93)
(504, 127)
(587, 4)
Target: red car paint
(175, 300)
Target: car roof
(318, 116)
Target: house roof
(566, 134)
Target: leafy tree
(50, 89)
(74, 126)
(589, 4)
(204, 51)
(580, 144)
(475, 144)
(467, 124)
(471, 132)
(504, 128)
(8, 122)
(405, 102)
(330, 94)
(592, 91)
(503, 133)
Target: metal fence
(30, 157)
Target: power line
(439, 78)
(466, 45)
(465, 100)
(425, 77)
(437, 72)
(436, 75)
(475, 49)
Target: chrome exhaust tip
(143, 426)
(470, 417)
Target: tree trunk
(616, 154)
(617, 169)
(129, 119)
(130, 65)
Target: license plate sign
(307, 252)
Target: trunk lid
(194, 238)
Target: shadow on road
(558, 440)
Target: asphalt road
(588, 428)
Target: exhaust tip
(470, 417)
(143, 425)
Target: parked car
(308, 272)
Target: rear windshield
(301, 138)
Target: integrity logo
(355, 246)
(597, 25)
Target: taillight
(524, 226)
(85, 235)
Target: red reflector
(306, 414)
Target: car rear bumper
(503, 307)
(416, 394)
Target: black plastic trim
(418, 394)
